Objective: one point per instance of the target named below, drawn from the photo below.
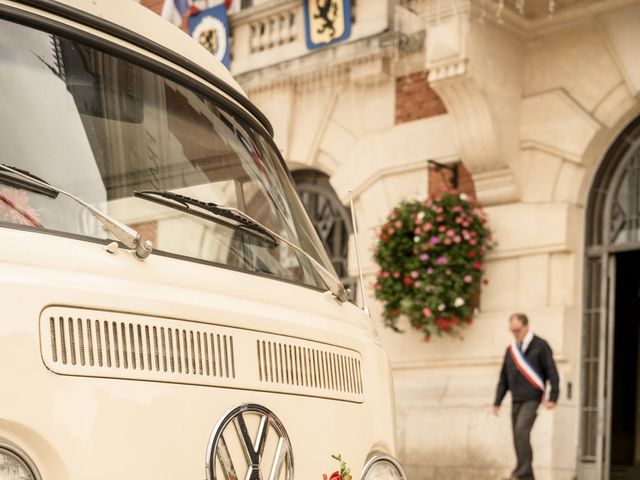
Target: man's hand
(550, 405)
(495, 409)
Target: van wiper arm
(231, 218)
(127, 235)
(10, 177)
(183, 203)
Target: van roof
(130, 21)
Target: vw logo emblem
(249, 442)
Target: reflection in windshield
(101, 128)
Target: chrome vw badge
(249, 442)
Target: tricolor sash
(525, 368)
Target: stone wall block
(372, 207)
(561, 279)
(623, 36)
(471, 387)
(615, 106)
(482, 344)
(541, 227)
(576, 60)
(533, 281)
(392, 151)
(325, 162)
(411, 185)
(278, 107)
(539, 175)
(568, 184)
(565, 436)
(554, 121)
(490, 438)
(337, 141)
(424, 437)
(418, 391)
(501, 292)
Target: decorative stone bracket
(485, 115)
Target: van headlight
(382, 467)
(14, 465)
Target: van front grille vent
(298, 365)
(102, 343)
(116, 345)
(94, 343)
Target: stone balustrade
(267, 34)
(273, 31)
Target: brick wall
(415, 99)
(440, 180)
(153, 5)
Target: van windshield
(101, 127)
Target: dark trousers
(523, 414)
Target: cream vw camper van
(167, 309)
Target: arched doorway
(610, 403)
(331, 219)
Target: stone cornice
(530, 28)
(312, 71)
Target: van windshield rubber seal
(130, 36)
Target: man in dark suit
(528, 366)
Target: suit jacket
(539, 355)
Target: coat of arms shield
(327, 22)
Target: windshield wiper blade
(9, 177)
(183, 203)
(231, 218)
(127, 235)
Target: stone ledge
(496, 187)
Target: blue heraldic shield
(210, 28)
(326, 22)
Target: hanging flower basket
(431, 259)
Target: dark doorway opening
(625, 402)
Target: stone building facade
(539, 110)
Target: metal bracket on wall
(437, 166)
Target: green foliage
(345, 472)
(431, 259)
